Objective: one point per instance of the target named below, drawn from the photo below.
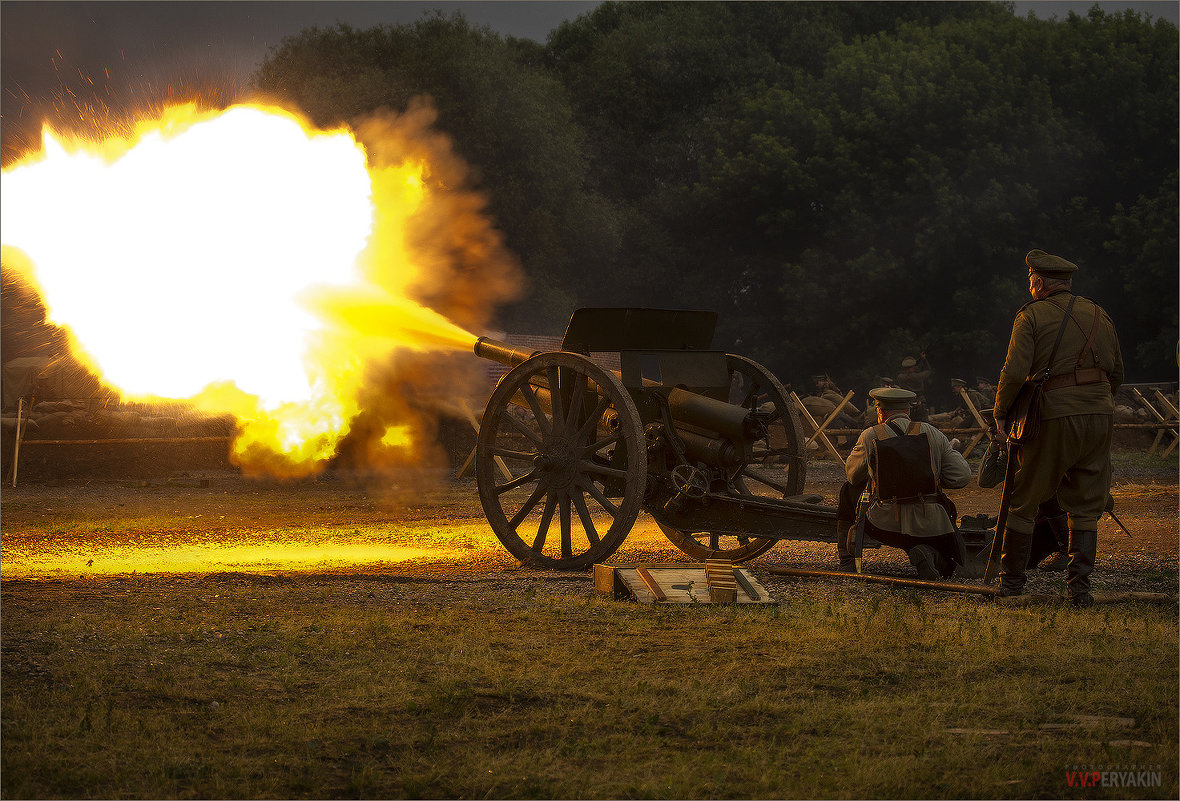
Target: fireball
(240, 260)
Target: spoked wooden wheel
(777, 469)
(561, 462)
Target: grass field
(342, 638)
(239, 685)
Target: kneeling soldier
(906, 505)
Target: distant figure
(913, 376)
(1070, 455)
(824, 400)
(907, 510)
(960, 414)
(985, 388)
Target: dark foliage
(847, 183)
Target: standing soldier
(1070, 456)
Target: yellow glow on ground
(287, 556)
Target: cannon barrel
(496, 351)
(733, 422)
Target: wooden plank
(678, 584)
(604, 578)
(719, 577)
(632, 586)
(682, 584)
(651, 583)
(746, 584)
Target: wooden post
(469, 462)
(1167, 404)
(20, 410)
(818, 430)
(1173, 416)
(978, 419)
(1156, 414)
(830, 417)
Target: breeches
(946, 544)
(1070, 458)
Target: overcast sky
(50, 49)
(50, 52)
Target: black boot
(925, 559)
(1083, 548)
(1013, 562)
(1056, 561)
(843, 538)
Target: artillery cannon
(706, 442)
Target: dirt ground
(428, 523)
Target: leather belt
(1088, 375)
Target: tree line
(846, 184)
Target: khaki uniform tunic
(1071, 454)
(915, 519)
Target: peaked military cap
(1048, 265)
(890, 398)
(885, 381)
(909, 361)
(981, 380)
(958, 382)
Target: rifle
(993, 559)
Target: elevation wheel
(776, 470)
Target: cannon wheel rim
(523, 510)
(759, 387)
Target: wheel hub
(558, 463)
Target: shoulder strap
(896, 428)
(1060, 333)
(915, 427)
(1089, 346)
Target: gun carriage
(706, 442)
